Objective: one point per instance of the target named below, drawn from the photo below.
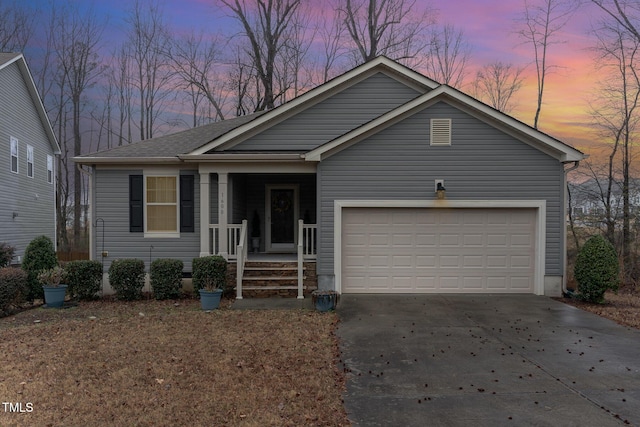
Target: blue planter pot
(325, 301)
(54, 295)
(210, 300)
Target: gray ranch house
(344, 181)
(29, 150)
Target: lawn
(167, 363)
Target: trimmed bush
(596, 270)
(127, 278)
(166, 278)
(39, 255)
(209, 272)
(6, 254)
(83, 279)
(13, 287)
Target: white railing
(241, 254)
(306, 250)
(309, 233)
(233, 239)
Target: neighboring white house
(28, 149)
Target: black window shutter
(136, 206)
(187, 221)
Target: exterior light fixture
(440, 191)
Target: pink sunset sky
(489, 26)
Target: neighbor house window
(14, 155)
(29, 161)
(161, 204)
(440, 131)
(49, 168)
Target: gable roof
(167, 148)
(6, 59)
(472, 106)
(314, 96)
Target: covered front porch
(257, 219)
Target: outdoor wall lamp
(440, 190)
(15, 215)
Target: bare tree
(393, 28)
(16, 26)
(331, 32)
(148, 39)
(264, 24)
(625, 12)
(496, 83)
(541, 23)
(196, 63)
(76, 40)
(449, 55)
(616, 113)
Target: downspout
(565, 257)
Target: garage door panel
(438, 250)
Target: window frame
(30, 161)
(145, 203)
(49, 169)
(14, 153)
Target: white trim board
(541, 224)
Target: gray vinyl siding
(334, 116)
(32, 199)
(481, 164)
(112, 205)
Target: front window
(162, 204)
(14, 155)
(29, 161)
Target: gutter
(565, 291)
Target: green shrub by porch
(40, 255)
(84, 278)
(597, 270)
(166, 278)
(6, 254)
(126, 277)
(209, 271)
(13, 287)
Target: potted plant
(255, 231)
(54, 290)
(210, 295)
(325, 300)
(209, 278)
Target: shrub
(127, 278)
(166, 278)
(209, 272)
(13, 286)
(596, 269)
(6, 254)
(39, 255)
(83, 279)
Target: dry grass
(167, 364)
(622, 307)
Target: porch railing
(306, 250)
(233, 239)
(241, 254)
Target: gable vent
(440, 131)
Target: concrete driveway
(490, 360)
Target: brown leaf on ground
(622, 307)
(101, 363)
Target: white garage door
(421, 250)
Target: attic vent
(440, 131)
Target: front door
(281, 214)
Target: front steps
(264, 279)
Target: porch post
(205, 233)
(223, 185)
